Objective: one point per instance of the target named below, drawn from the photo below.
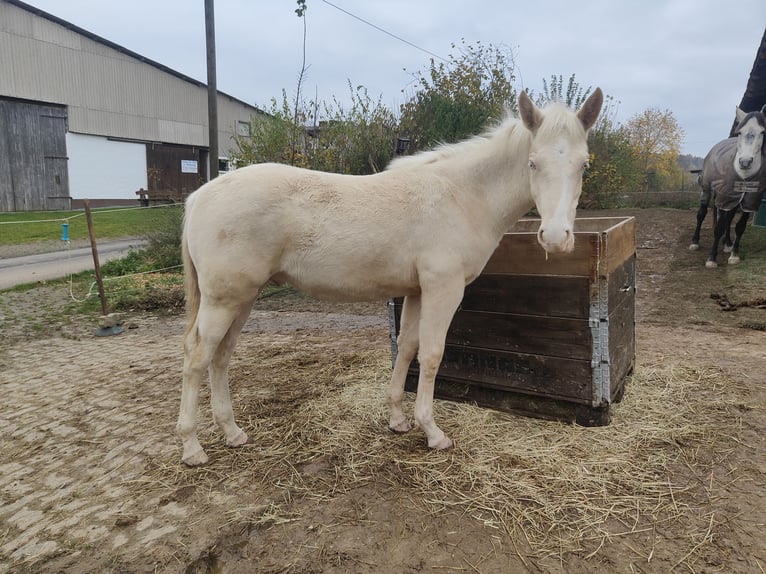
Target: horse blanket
(720, 178)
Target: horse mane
(557, 117)
(448, 151)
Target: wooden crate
(549, 337)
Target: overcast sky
(692, 57)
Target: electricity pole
(212, 90)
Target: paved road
(46, 266)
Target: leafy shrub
(131, 282)
(357, 140)
(459, 98)
(164, 248)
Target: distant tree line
(453, 100)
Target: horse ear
(530, 115)
(588, 114)
(740, 115)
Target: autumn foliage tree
(655, 138)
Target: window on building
(243, 129)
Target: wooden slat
(581, 224)
(517, 372)
(520, 253)
(620, 244)
(547, 295)
(521, 403)
(622, 345)
(549, 336)
(621, 284)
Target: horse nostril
(745, 162)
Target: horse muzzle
(556, 240)
(745, 162)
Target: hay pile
(553, 488)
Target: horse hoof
(734, 260)
(444, 444)
(694, 247)
(711, 264)
(401, 428)
(238, 440)
(199, 458)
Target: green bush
(131, 283)
(134, 262)
(164, 249)
(358, 139)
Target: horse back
(333, 236)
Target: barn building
(81, 117)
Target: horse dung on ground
(734, 178)
(422, 229)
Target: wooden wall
(167, 180)
(33, 158)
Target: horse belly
(349, 279)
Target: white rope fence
(65, 238)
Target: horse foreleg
(407, 346)
(723, 222)
(739, 231)
(220, 399)
(439, 300)
(701, 214)
(212, 325)
(727, 243)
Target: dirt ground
(91, 479)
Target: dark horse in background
(734, 177)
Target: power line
(379, 29)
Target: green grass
(130, 283)
(34, 226)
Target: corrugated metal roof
(117, 47)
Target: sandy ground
(90, 477)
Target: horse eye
(532, 165)
(585, 165)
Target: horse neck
(495, 171)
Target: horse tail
(191, 283)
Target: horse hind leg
(213, 323)
(701, 214)
(739, 231)
(220, 399)
(407, 347)
(723, 222)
